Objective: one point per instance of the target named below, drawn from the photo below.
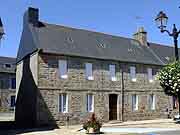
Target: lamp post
(1, 30)
(161, 21)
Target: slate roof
(165, 53)
(77, 42)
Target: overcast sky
(116, 17)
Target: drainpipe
(122, 95)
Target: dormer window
(7, 65)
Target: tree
(169, 78)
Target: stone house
(7, 84)
(65, 74)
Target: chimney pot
(141, 36)
(32, 16)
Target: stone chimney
(31, 16)
(141, 36)
(1, 29)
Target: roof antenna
(138, 21)
(1, 31)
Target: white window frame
(150, 75)
(135, 102)
(152, 102)
(88, 108)
(61, 107)
(133, 73)
(89, 71)
(63, 69)
(112, 72)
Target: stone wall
(6, 92)
(77, 87)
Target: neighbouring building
(7, 84)
(67, 73)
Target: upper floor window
(90, 103)
(150, 76)
(12, 101)
(7, 65)
(152, 102)
(133, 73)
(63, 103)
(89, 71)
(63, 69)
(13, 83)
(112, 72)
(134, 102)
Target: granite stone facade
(7, 84)
(76, 86)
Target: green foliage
(169, 78)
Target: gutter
(122, 94)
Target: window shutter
(63, 69)
(112, 71)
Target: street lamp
(1, 29)
(161, 21)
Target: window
(90, 103)
(7, 65)
(152, 102)
(112, 72)
(63, 103)
(133, 73)
(150, 76)
(63, 69)
(13, 83)
(134, 102)
(89, 72)
(13, 101)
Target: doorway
(113, 107)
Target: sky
(115, 17)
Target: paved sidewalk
(115, 128)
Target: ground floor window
(134, 102)
(90, 103)
(63, 103)
(152, 102)
(13, 101)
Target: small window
(7, 65)
(89, 71)
(150, 76)
(112, 72)
(63, 103)
(133, 73)
(63, 69)
(13, 83)
(13, 101)
(152, 102)
(134, 102)
(90, 103)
